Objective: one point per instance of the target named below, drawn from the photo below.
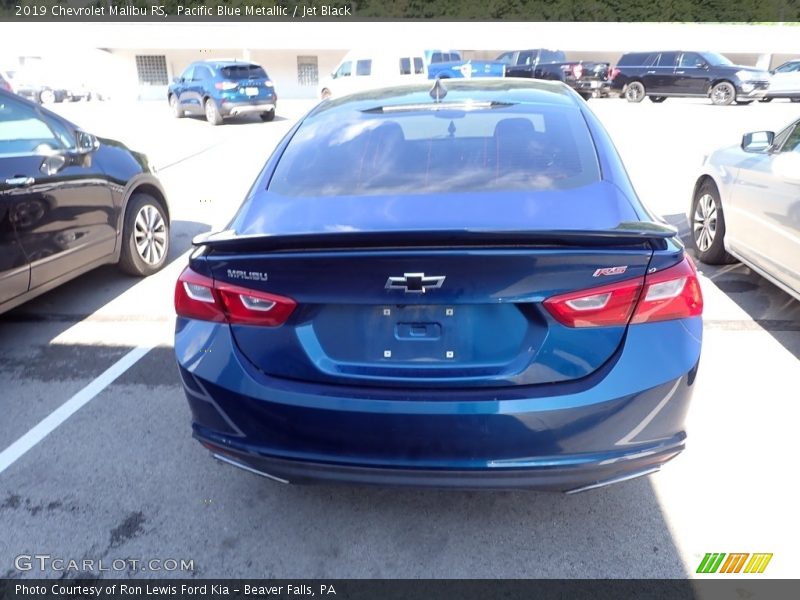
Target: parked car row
(43, 90)
(656, 75)
(218, 89)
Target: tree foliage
(731, 11)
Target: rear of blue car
(244, 88)
(459, 293)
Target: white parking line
(47, 425)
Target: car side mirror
(87, 143)
(758, 141)
(53, 163)
(702, 65)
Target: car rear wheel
(657, 99)
(268, 116)
(635, 92)
(175, 107)
(708, 226)
(212, 113)
(795, 99)
(723, 93)
(325, 94)
(145, 236)
(47, 97)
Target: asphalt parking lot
(121, 478)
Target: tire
(212, 112)
(325, 94)
(795, 99)
(744, 102)
(176, 109)
(723, 93)
(765, 100)
(708, 226)
(47, 97)
(144, 254)
(657, 99)
(268, 116)
(635, 91)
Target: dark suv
(219, 89)
(660, 75)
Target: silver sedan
(746, 206)
(785, 82)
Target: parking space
(122, 478)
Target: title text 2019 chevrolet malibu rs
(454, 287)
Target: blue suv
(220, 89)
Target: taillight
(200, 297)
(226, 85)
(673, 293)
(596, 307)
(577, 71)
(613, 73)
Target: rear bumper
(241, 108)
(597, 88)
(624, 420)
(569, 478)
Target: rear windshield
(440, 57)
(551, 56)
(636, 59)
(244, 72)
(518, 147)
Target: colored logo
(719, 562)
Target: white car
(785, 82)
(746, 206)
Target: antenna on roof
(438, 91)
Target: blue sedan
(450, 287)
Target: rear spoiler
(624, 234)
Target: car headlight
(744, 75)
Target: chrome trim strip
(619, 479)
(234, 463)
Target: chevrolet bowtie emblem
(415, 283)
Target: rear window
(440, 57)
(636, 59)
(243, 72)
(552, 56)
(519, 147)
